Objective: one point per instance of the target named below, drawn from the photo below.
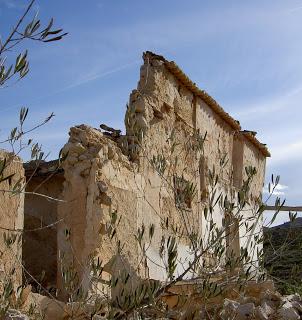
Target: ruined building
(175, 133)
(11, 217)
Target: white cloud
(279, 189)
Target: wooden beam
(284, 208)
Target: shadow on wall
(40, 225)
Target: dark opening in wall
(40, 228)
(237, 162)
(166, 108)
(158, 114)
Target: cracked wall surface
(175, 133)
(11, 217)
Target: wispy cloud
(286, 153)
(99, 75)
(13, 4)
(82, 81)
(268, 106)
(293, 10)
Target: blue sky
(246, 54)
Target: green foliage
(159, 163)
(172, 257)
(283, 257)
(207, 251)
(184, 191)
(23, 31)
(15, 65)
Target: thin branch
(32, 230)
(33, 193)
(2, 49)
(32, 129)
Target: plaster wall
(252, 157)
(11, 217)
(106, 174)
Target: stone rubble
(12, 314)
(107, 172)
(270, 306)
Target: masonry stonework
(11, 217)
(171, 124)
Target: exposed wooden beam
(284, 208)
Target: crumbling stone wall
(11, 217)
(98, 181)
(113, 173)
(111, 188)
(167, 103)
